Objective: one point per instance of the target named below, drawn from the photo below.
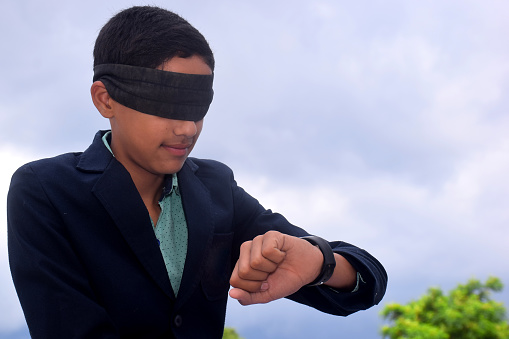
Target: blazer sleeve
(252, 219)
(50, 281)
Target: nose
(185, 128)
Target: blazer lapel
(197, 208)
(116, 191)
(118, 194)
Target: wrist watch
(329, 262)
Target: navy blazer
(86, 264)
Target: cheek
(154, 129)
(199, 127)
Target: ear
(101, 99)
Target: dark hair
(148, 36)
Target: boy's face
(148, 144)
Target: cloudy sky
(381, 123)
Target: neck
(149, 186)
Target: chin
(173, 169)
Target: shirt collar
(170, 185)
(106, 140)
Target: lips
(178, 149)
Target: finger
(247, 285)
(244, 265)
(258, 261)
(272, 246)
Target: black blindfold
(165, 94)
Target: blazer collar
(96, 157)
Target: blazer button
(177, 321)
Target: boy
(133, 239)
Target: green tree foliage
(230, 333)
(467, 312)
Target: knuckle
(267, 252)
(243, 271)
(246, 245)
(258, 238)
(272, 233)
(257, 260)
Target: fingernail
(265, 286)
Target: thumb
(243, 297)
(246, 298)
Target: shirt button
(177, 321)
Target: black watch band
(329, 262)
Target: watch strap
(329, 262)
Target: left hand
(272, 266)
